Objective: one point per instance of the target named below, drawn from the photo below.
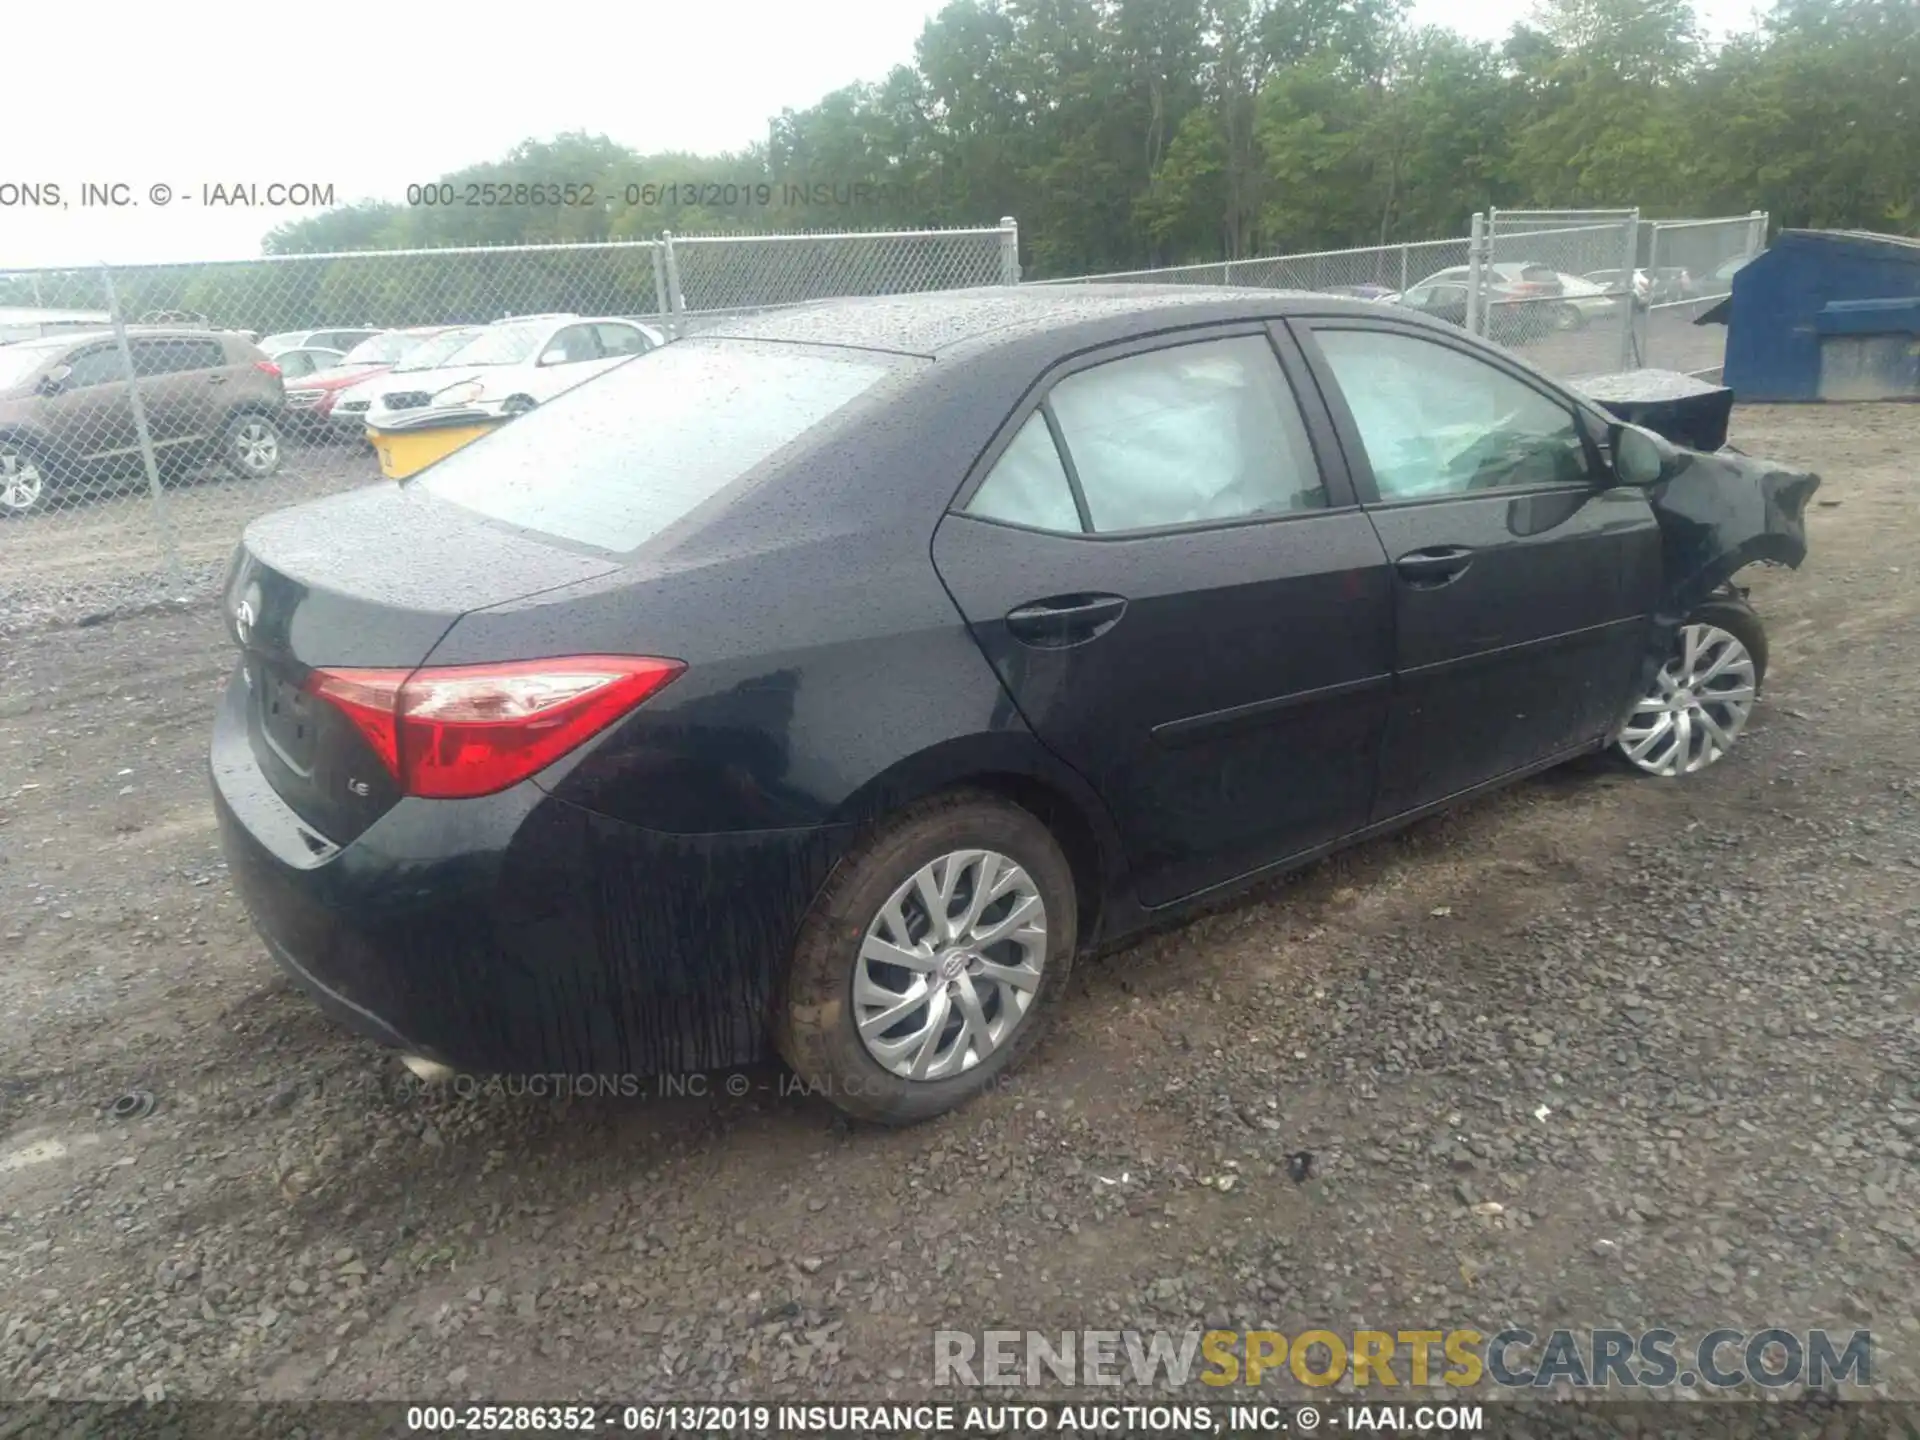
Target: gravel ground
(100, 552)
(1709, 986)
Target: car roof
(136, 332)
(937, 323)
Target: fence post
(1475, 240)
(1655, 249)
(169, 549)
(1756, 231)
(676, 302)
(1009, 250)
(1403, 268)
(660, 291)
(1630, 262)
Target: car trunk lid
(368, 580)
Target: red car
(310, 398)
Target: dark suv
(67, 420)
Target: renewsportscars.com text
(1512, 1358)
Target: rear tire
(24, 483)
(252, 446)
(986, 976)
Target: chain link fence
(148, 412)
(711, 277)
(1529, 289)
(1374, 272)
(1690, 268)
(1576, 292)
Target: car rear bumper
(519, 933)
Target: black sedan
(827, 684)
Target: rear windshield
(617, 460)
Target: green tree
(1604, 122)
(1127, 133)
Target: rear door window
(570, 346)
(172, 356)
(1028, 485)
(620, 339)
(1188, 434)
(614, 462)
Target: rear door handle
(216, 379)
(1061, 620)
(1435, 565)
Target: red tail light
(456, 731)
(266, 367)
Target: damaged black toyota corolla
(826, 684)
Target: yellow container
(403, 452)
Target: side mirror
(1640, 457)
(555, 355)
(55, 380)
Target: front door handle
(1435, 565)
(216, 379)
(1061, 620)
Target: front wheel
(251, 446)
(931, 960)
(23, 479)
(1701, 700)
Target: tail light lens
(458, 731)
(266, 367)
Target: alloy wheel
(948, 967)
(256, 446)
(21, 483)
(1698, 706)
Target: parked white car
(341, 340)
(1591, 300)
(1610, 281)
(350, 407)
(508, 368)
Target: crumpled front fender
(1720, 513)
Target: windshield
(501, 345)
(428, 354)
(17, 364)
(381, 349)
(615, 461)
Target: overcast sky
(368, 101)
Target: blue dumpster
(1826, 315)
